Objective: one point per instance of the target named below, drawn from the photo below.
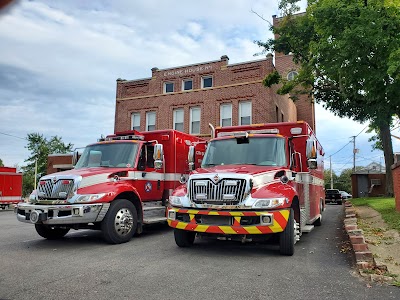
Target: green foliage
(40, 148)
(348, 55)
(385, 206)
(1, 163)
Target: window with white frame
(168, 87)
(245, 113)
(135, 121)
(291, 75)
(195, 120)
(187, 84)
(206, 82)
(226, 114)
(150, 120)
(178, 119)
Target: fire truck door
(151, 180)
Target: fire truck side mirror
(311, 149)
(158, 156)
(191, 158)
(75, 157)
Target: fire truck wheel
(120, 222)
(50, 233)
(184, 238)
(287, 237)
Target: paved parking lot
(152, 267)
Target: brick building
(188, 98)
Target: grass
(385, 206)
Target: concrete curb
(365, 261)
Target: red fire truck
(119, 184)
(10, 186)
(254, 181)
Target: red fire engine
(119, 184)
(10, 187)
(254, 181)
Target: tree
(1, 163)
(348, 55)
(40, 148)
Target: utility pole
(354, 153)
(330, 163)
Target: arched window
(291, 75)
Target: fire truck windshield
(108, 155)
(260, 151)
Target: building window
(195, 120)
(226, 115)
(168, 87)
(187, 85)
(245, 113)
(282, 117)
(136, 121)
(206, 82)
(277, 113)
(291, 75)
(150, 120)
(178, 119)
(375, 182)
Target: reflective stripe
(137, 176)
(280, 219)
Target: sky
(60, 60)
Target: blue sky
(60, 60)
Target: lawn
(385, 206)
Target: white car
(345, 195)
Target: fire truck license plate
(216, 220)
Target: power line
(17, 137)
(349, 141)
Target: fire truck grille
(60, 189)
(226, 191)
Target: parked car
(333, 195)
(345, 195)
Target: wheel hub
(123, 222)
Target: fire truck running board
(152, 208)
(307, 228)
(154, 220)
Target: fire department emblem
(148, 187)
(54, 179)
(216, 178)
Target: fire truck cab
(119, 184)
(254, 181)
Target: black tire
(340, 202)
(50, 233)
(184, 238)
(287, 238)
(120, 222)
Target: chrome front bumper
(61, 214)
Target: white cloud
(59, 62)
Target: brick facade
(232, 84)
(396, 184)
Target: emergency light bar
(124, 137)
(243, 133)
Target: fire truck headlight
(33, 198)
(175, 201)
(89, 198)
(269, 203)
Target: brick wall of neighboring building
(59, 162)
(396, 184)
(232, 84)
